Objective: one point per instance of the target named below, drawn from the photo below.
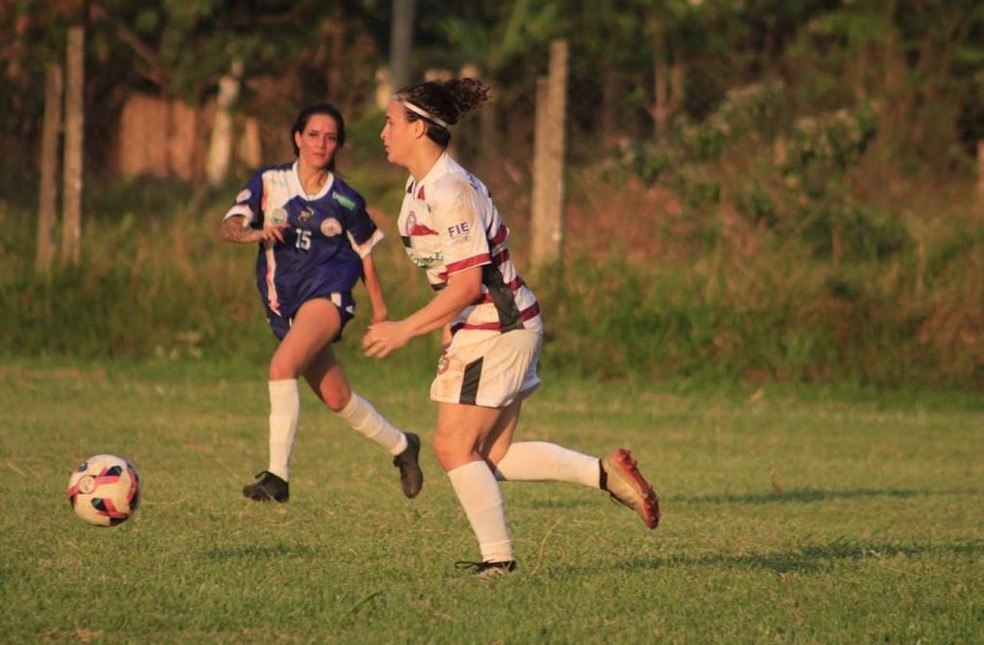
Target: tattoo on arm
(235, 229)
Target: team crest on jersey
(411, 222)
(443, 363)
(278, 216)
(243, 196)
(331, 227)
(305, 216)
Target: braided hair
(441, 104)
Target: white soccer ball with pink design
(104, 490)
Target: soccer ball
(104, 490)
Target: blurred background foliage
(756, 189)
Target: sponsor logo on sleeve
(459, 233)
(461, 229)
(344, 201)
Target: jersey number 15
(303, 239)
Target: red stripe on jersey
(527, 314)
(468, 263)
(492, 326)
(501, 258)
(531, 312)
(420, 229)
(500, 236)
(514, 286)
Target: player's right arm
(236, 229)
(238, 223)
(463, 289)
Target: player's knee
(280, 375)
(336, 400)
(335, 393)
(450, 454)
(280, 370)
(443, 457)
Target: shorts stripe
(470, 380)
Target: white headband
(419, 111)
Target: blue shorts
(344, 302)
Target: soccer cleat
(487, 570)
(266, 487)
(411, 477)
(626, 485)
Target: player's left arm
(363, 235)
(370, 278)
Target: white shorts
(490, 373)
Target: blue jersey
(327, 236)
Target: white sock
(360, 414)
(285, 412)
(479, 494)
(530, 461)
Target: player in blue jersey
(493, 330)
(315, 240)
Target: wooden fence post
(401, 42)
(48, 195)
(980, 167)
(547, 225)
(74, 129)
(220, 142)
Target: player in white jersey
(493, 331)
(314, 238)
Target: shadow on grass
(804, 495)
(800, 496)
(564, 503)
(261, 552)
(809, 559)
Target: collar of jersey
(295, 177)
(440, 167)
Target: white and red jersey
(449, 223)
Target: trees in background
(639, 70)
(637, 66)
(794, 156)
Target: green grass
(876, 535)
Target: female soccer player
(315, 239)
(493, 331)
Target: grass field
(790, 515)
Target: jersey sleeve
(457, 216)
(366, 247)
(248, 202)
(362, 231)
